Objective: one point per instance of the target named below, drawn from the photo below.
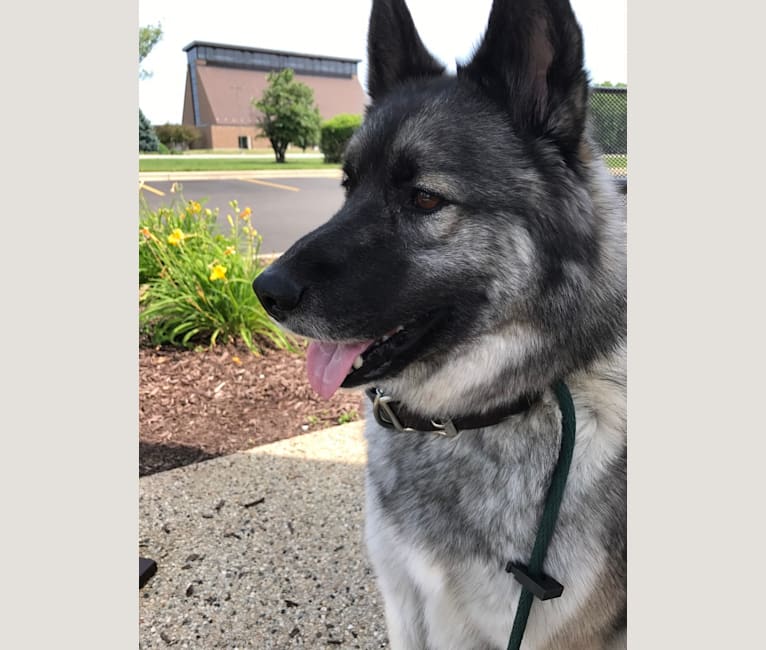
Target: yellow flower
(218, 273)
(229, 251)
(245, 214)
(195, 207)
(176, 237)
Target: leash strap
(534, 582)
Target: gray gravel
(261, 549)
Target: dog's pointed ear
(531, 60)
(395, 52)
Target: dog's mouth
(331, 365)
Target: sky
(339, 28)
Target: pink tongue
(327, 364)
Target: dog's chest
(458, 509)
(481, 489)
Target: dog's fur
(527, 254)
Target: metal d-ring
(386, 417)
(380, 406)
(445, 428)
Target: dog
(478, 258)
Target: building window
(244, 142)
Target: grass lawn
(183, 164)
(616, 160)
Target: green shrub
(336, 132)
(177, 136)
(197, 282)
(163, 149)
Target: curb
(239, 175)
(268, 258)
(287, 445)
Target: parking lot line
(153, 190)
(289, 188)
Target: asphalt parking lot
(284, 209)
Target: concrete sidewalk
(261, 549)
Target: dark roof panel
(260, 50)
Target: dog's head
(480, 249)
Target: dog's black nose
(278, 292)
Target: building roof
(223, 80)
(226, 94)
(260, 50)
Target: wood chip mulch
(198, 404)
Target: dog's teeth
(385, 338)
(358, 362)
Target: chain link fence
(609, 115)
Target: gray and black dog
(479, 257)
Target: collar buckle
(386, 416)
(384, 413)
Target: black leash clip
(543, 587)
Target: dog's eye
(426, 201)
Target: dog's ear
(531, 60)
(395, 52)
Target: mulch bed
(198, 404)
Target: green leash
(534, 582)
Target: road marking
(289, 188)
(153, 190)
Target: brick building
(222, 81)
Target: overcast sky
(338, 28)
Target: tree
(148, 37)
(288, 113)
(147, 138)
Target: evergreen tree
(147, 138)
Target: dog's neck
(482, 376)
